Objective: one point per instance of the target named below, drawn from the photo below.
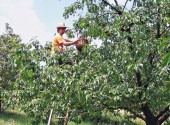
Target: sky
(35, 18)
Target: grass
(11, 117)
(83, 123)
(15, 118)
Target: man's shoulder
(57, 36)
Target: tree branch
(134, 3)
(139, 83)
(127, 108)
(138, 78)
(164, 117)
(161, 113)
(158, 24)
(128, 30)
(125, 5)
(3, 62)
(168, 27)
(116, 2)
(112, 7)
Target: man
(58, 41)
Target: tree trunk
(152, 121)
(150, 118)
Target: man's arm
(68, 42)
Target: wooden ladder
(66, 118)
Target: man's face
(62, 30)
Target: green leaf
(166, 59)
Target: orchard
(129, 72)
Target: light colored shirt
(57, 43)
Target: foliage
(128, 72)
(131, 68)
(8, 42)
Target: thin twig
(125, 5)
(134, 2)
(60, 117)
(3, 62)
(168, 27)
(113, 7)
(116, 2)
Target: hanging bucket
(81, 43)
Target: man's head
(61, 28)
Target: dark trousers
(68, 62)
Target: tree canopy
(8, 43)
(128, 72)
(132, 65)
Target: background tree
(8, 42)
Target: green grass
(11, 117)
(83, 123)
(15, 118)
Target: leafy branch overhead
(134, 54)
(129, 72)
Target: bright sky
(30, 18)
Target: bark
(139, 83)
(125, 5)
(158, 35)
(150, 118)
(163, 115)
